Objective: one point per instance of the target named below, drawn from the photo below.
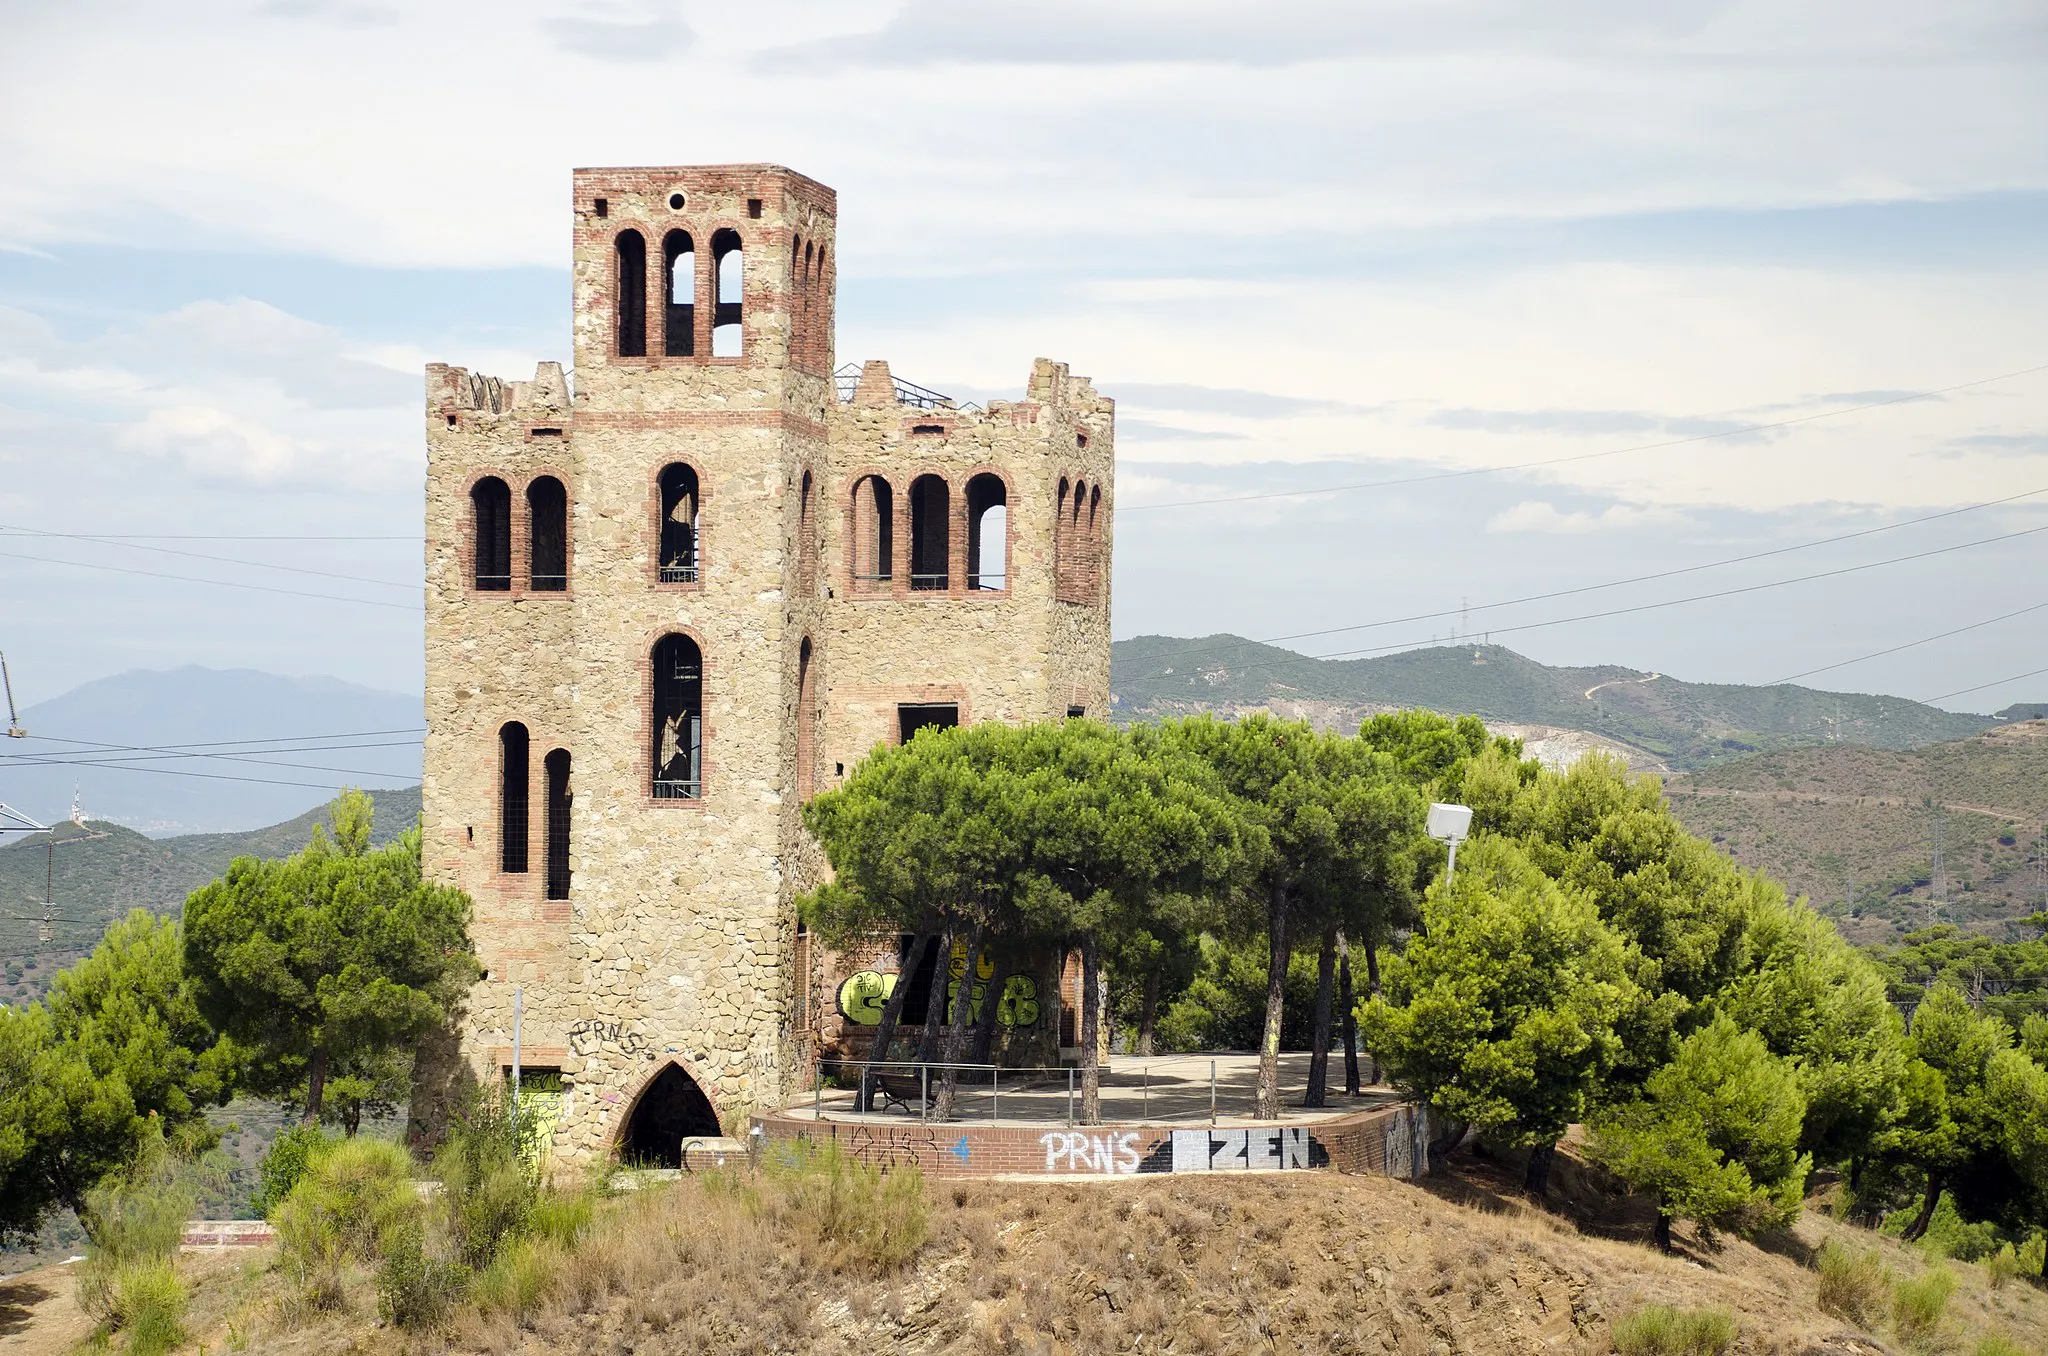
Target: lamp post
(1450, 824)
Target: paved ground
(1158, 1091)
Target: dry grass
(1270, 1263)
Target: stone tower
(666, 610)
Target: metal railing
(847, 380)
(922, 1077)
(679, 574)
(670, 788)
(929, 583)
(494, 583)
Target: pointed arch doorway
(670, 1110)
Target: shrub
(350, 1200)
(1998, 1345)
(415, 1288)
(521, 1277)
(1917, 1305)
(285, 1162)
(2001, 1266)
(1854, 1284)
(1661, 1330)
(875, 1221)
(151, 1305)
(560, 1217)
(133, 1224)
(1950, 1235)
(490, 1181)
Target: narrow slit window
(728, 262)
(988, 533)
(512, 793)
(556, 765)
(678, 742)
(679, 524)
(874, 528)
(547, 535)
(630, 283)
(806, 540)
(491, 504)
(1062, 545)
(679, 268)
(806, 723)
(930, 542)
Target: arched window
(1094, 542)
(490, 500)
(988, 533)
(874, 530)
(547, 535)
(729, 262)
(512, 793)
(806, 327)
(930, 542)
(679, 522)
(557, 767)
(806, 540)
(629, 253)
(678, 735)
(679, 270)
(821, 341)
(806, 723)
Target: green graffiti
(863, 995)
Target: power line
(1924, 640)
(1590, 456)
(2030, 673)
(243, 536)
(1647, 578)
(222, 583)
(237, 743)
(207, 776)
(196, 555)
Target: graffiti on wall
(865, 993)
(1259, 1146)
(587, 1037)
(1115, 1154)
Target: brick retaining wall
(1392, 1141)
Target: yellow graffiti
(984, 964)
(1017, 1007)
(863, 995)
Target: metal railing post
(817, 1089)
(1070, 1094)
(1145, 1093)
(1212, 1092)
(924, 1092)
(995, 1094)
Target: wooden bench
(899, 1089)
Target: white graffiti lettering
(1072, 1151)
(1224, 1150)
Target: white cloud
(1540, 515)
(212, 442)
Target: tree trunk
(991, 1004)
(1372, 989)
(352, 1120)
(1268, 1105)
(892, 1013)
(1350, 1006)
(1319, 1038)
(1538, 1178)
(935, 1000)
(1091, 1029)
(1661, 1235)
(1927, 1204)
(956, 1029)
(316, 1086)
(1148, 1013)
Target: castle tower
(663, 613)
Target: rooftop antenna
(14, 730)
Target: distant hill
(194, 726)
(100, 871)
(1819, 818)
(1662, 722)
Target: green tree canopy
(1715, 1136)
(1502, 1012)
(332, 954)
(119, 1042)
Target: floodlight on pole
(1451, 825)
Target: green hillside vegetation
(1681, 725)
(1814, 818)
(101, 871)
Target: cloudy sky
(1683, 264)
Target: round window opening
(676, 201)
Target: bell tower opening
(671, 1109)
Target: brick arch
(855, 476)
(966, 521)
(659, 1080)
(704, 529)
(707, 763)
